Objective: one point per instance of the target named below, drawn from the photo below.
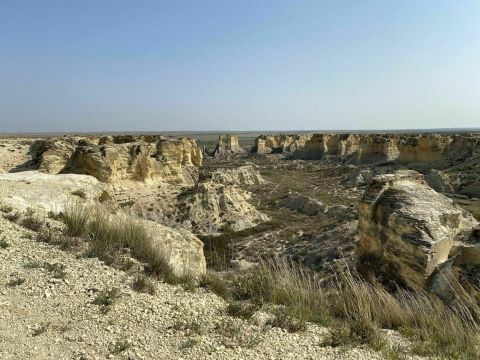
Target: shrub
(284, 320)
(241, 309)
(215, 284)
(13, 216)
(143, 284)
(56, 269)
(15, 281)
(106, 298)
(121, 346)
(3, 243)
(31, 221)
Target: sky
(141, 65)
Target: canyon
(400, 210)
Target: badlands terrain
(305, 246)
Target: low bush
(143, 284)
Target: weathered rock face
(439, 181)
(182, 250)
(112, 159)
(228, 145)
(321, 145)
(243, 175)
(409, 226)
(403, 148)
(280, 143)
(45, 192)
(210, 208)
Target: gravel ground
(49, 318)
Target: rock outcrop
(45, 192)
(111, 159)
(243, 175)
(410, 228)
(210, 208)
(280, 143)
(227, 145)
(402, 148)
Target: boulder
(438, 181)
(410, 227)
(302, 203)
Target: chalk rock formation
(54, 154)
(402, 148)
(228, 145)
(409, 226)
(182, 249)
(321, 145)
(45, 192)
(243, 175)
(280, 143)
(211, 207)
(302, 203)
(111, 159)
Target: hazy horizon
(215, 66)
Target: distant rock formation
(228, 145)
(117, 158)
(376, 148)
(280, 143)
(411, 230)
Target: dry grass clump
(109, 236)
(143, 284)
(76, 217)
(242, 309)
(357, 310)
(216, 284)
(31, 221)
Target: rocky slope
(47, 315)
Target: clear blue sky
(93, 65)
